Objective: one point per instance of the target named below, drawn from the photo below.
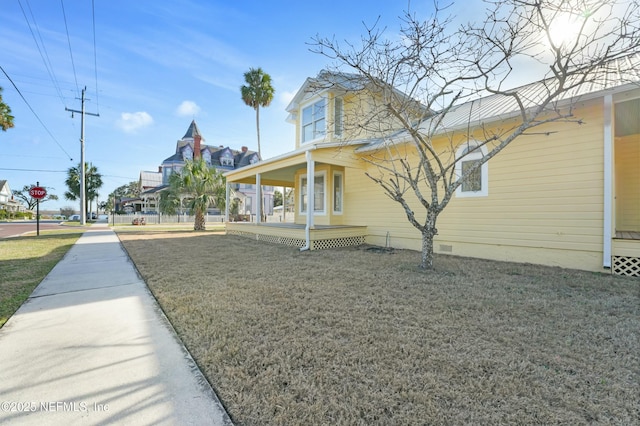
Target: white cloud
(187, 108)
(130, 122)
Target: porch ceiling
(279, 177)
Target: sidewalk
(91, 346)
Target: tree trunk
(258, 130)
(199, 223)
(428, 233)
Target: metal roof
(622, 73)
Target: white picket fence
(155, 219)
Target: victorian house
(224, 159)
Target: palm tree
(93, 182)
(6, 119)
(201, 185)
(257, 93)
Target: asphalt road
(15, 229)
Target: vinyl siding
(544, 203)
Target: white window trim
(326, 111)
(484, 169)
(341, 174)
(322, 212)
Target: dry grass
(354, 337)
(25, 261)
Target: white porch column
(608, 182)
(311, 207)
(284, 204)
(310, 200)
(258, 199)
(227, 195)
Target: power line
(35, 114)
(73, 65)
(34, 170)
(46, 61)
(95, 52)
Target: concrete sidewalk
(91, 346)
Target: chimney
(245, 149)
(159, 169)
(196, 146)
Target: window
(313, 121)
(337, 192)
(476, 184)
(337, 117)
(206, 155)
(226, 159)
(187, 154)
(318, 192)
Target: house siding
(544, 203)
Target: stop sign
(38, 192)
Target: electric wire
(95, 52)
(35, 114)
(73, 65)
(33, 170)
(45, 55)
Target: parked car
(74, 217)
(91, 216)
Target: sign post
(38, 193)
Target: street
(15, 229)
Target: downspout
(310, 200)
(227, 196)
(608, 182)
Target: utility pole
(83, 181)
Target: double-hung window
(318, 193)
(476, 181)
(337, 192)
(314, 121)
(338, 106)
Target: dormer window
(187, 154)
(226, 159)
(206, 155)
(314, 121)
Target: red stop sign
(38, 192)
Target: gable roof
(150, 179)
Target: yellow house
(568, 195)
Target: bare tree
(446, 68)
(28, 200)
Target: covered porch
(625, 247)
(316, 174)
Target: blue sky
(160, 64)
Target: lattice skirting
(625, 265)
(338, 242)
(296, 242)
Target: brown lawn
(357, 337)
